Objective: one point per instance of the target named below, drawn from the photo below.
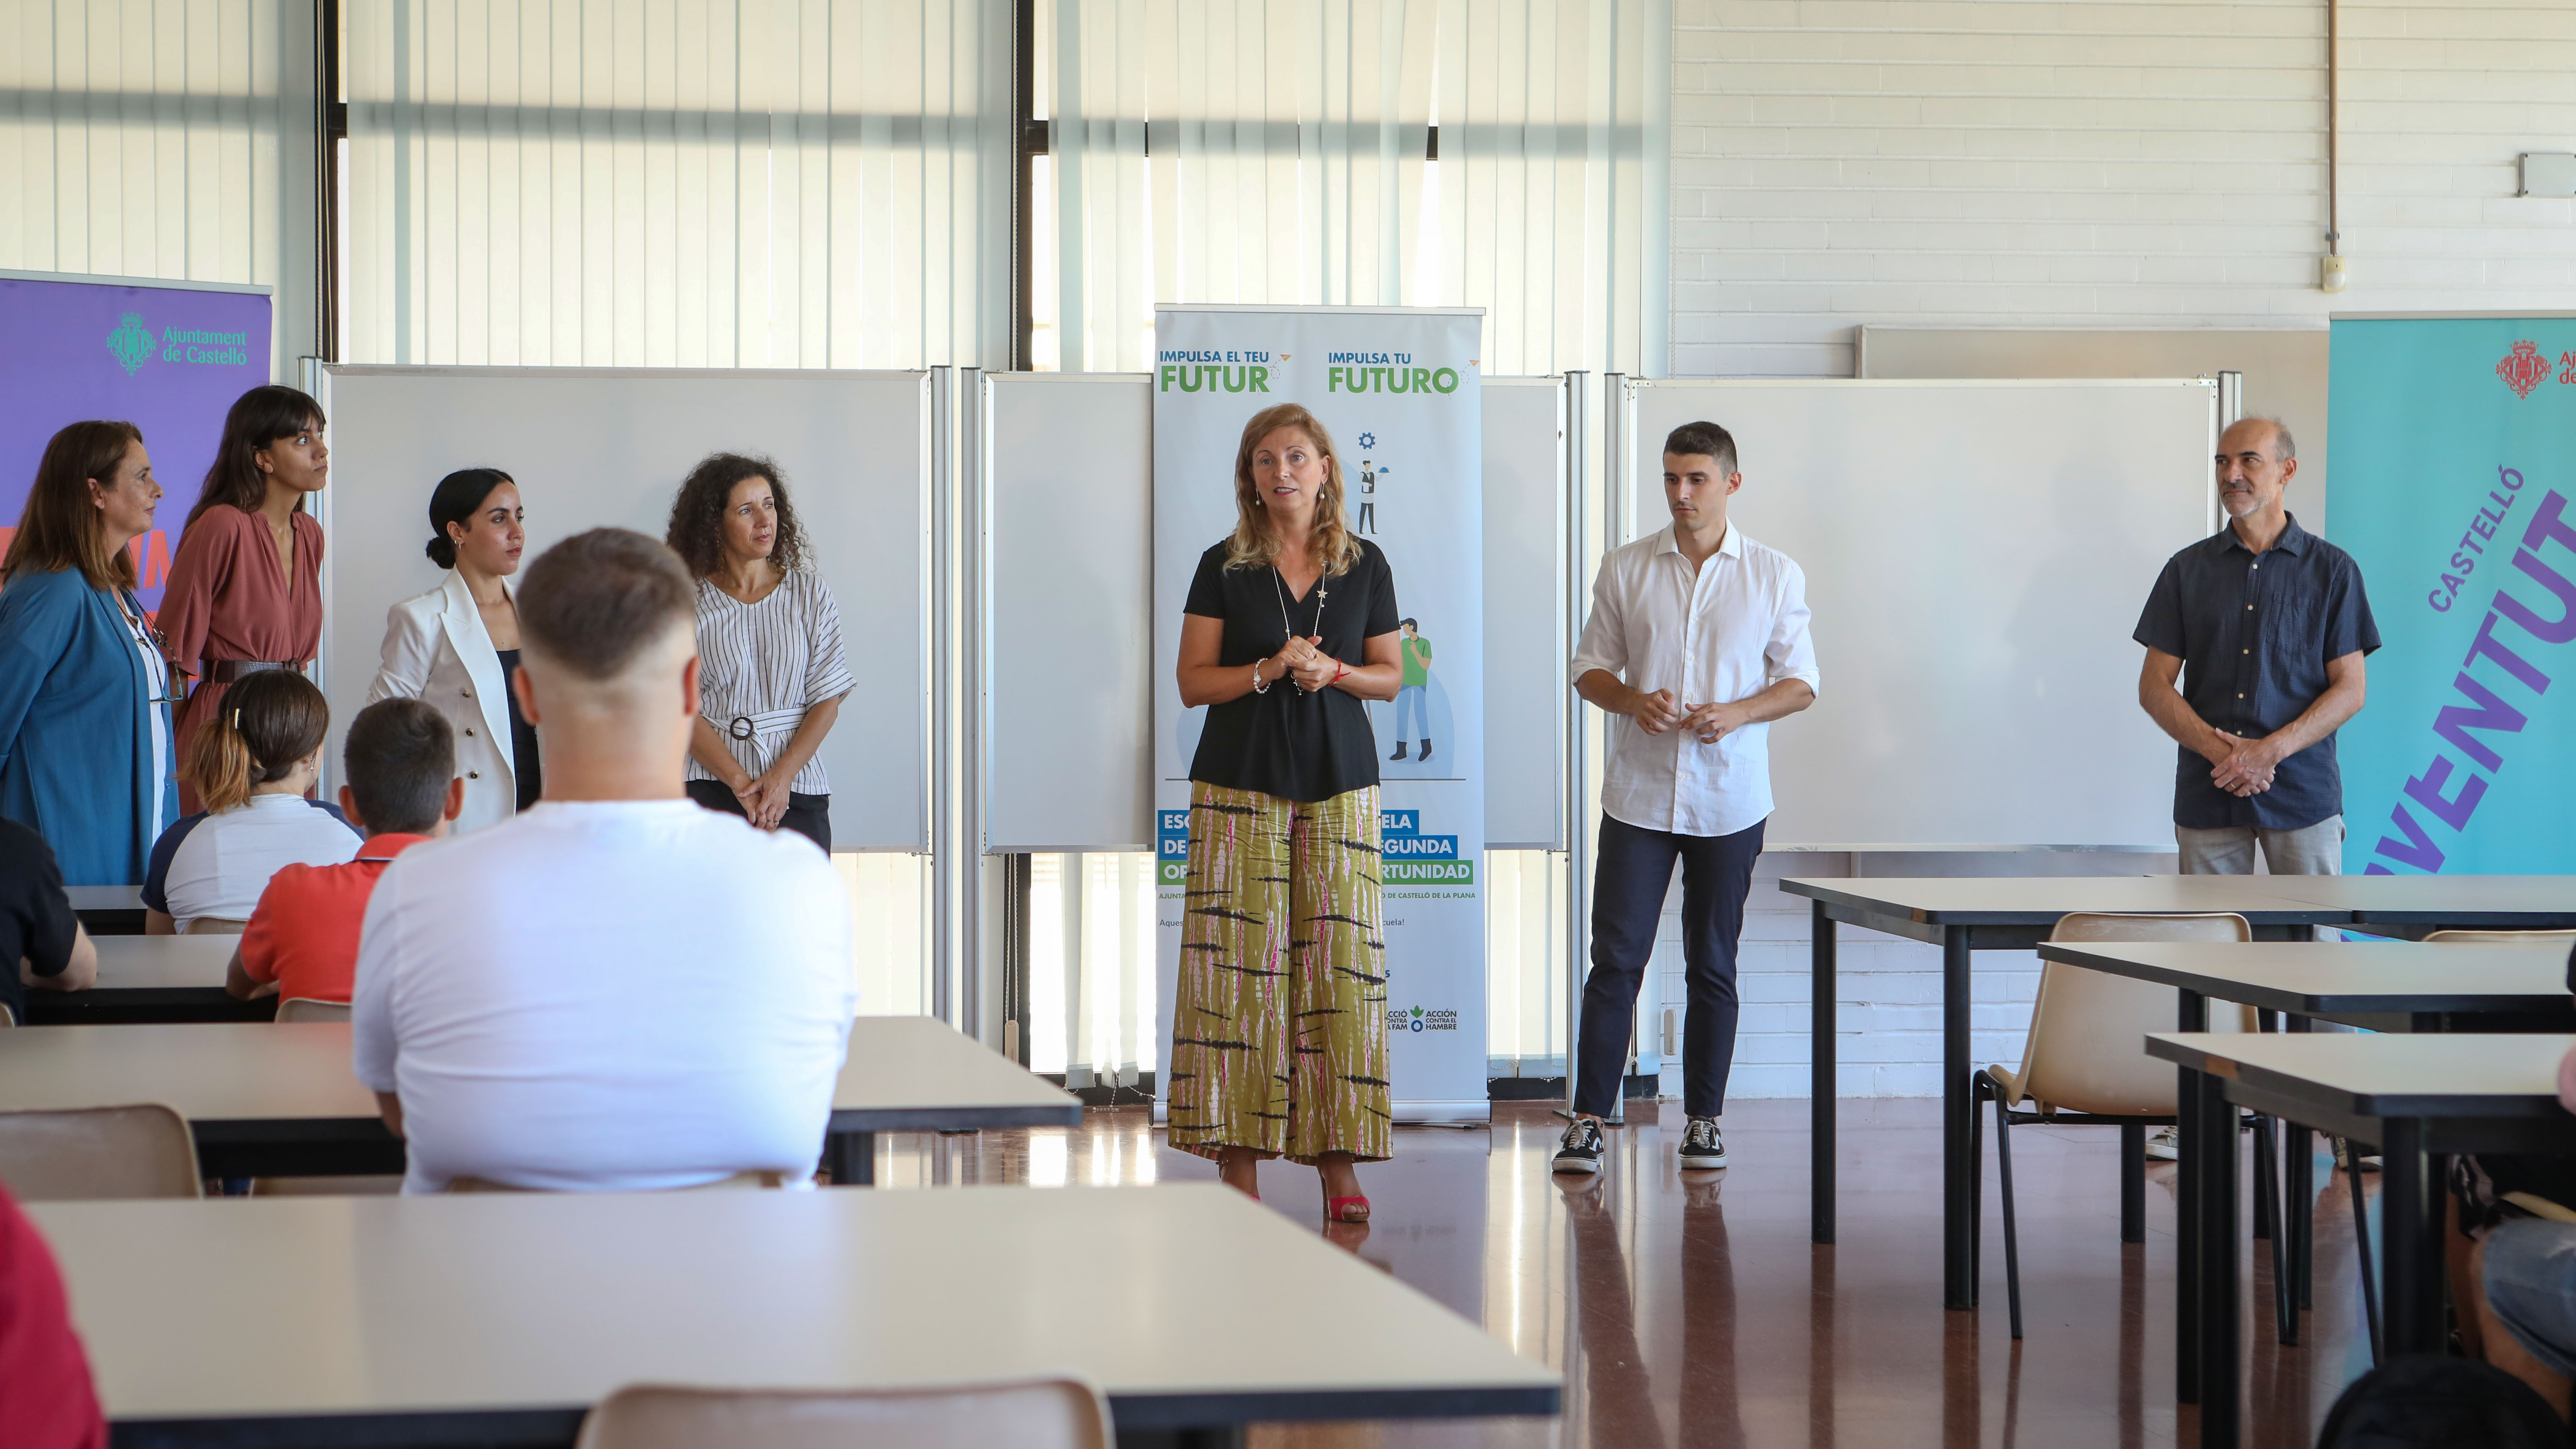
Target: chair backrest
(5, 1018)
(215, 926)
(2087, 1049)
(306, 1008)
(2501, 938)
(738, 1180)
(1052, 1413)
(143, 1150)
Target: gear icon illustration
(1368, 440)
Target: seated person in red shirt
(46, 1401)
(302, 941)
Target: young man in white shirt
(1698, 639)
(616, 989)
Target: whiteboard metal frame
(1625, 392)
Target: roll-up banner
(169, 360)
(2454, 443)
(1398, 388)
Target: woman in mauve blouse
(245, 586)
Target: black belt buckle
(741, 727)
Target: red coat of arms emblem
(2525, 369)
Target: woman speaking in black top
(1279, 1022)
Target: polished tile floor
(1697, 1314)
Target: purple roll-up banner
(169, 360)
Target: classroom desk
(108, 910)
(497, 1319)
(2413, 905)
(147, 980)
(269, 1100)
(1966, 915)
(2420, 1098)
(2378, 986)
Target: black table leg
(851, 1158)
(2410, 1240)
(1958, 1118)
(2218, 1266)
(1821, 1106)
(2193, 1016)
(2133, 1182)
(2299, 1152)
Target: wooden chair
(738, 1180)
(216, 926)
(1049, 1413)
(6, 1019)
(2501, 938)
(306, 1008)
(2085, 1062)
(143, 1150)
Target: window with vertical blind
(1282, 151)
(144, 139)
(678, 183)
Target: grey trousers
(2314, 850)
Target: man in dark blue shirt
(2266, 625)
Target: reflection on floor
(1695, 1313)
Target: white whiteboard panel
(1976, 556)
(593, 447)
(1525, 644)
(1069, 462)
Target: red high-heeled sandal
(1338, 1209)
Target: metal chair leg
(2268, 1198)
(1980, 1087)
(2012, 1233)
(2361, 1243)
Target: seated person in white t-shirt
(615, 989)
(251, 762)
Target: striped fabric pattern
(779, 657)
(1279, 1022)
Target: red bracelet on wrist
(1340, 671)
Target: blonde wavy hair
(1255, 543)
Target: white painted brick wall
(1888, 1041)
(2110, 163)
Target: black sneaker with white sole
(1702, 1147)
(1580, 1149)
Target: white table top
(1184, 1293)
(144, 963)
(2353, 978)
(2457, 900)
(2368, 1075)
(902, 1071)
(2039, 900)
(105, 897)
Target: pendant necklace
(1279, 586)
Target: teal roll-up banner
(2454, 446)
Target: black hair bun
(442, 552)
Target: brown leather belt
(233, 671)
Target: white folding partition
(1976, 556)
(592, 447)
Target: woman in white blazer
(456, 646)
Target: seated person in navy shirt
(251, 763)
(42, 945)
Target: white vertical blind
(679, 183)
(146, 138)
(1278, 151)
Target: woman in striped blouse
(770, 672)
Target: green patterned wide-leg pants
(1279, 1021)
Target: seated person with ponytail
(403, 789)
(251, 764)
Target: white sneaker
(2164, 1145)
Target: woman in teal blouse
(85, 751)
